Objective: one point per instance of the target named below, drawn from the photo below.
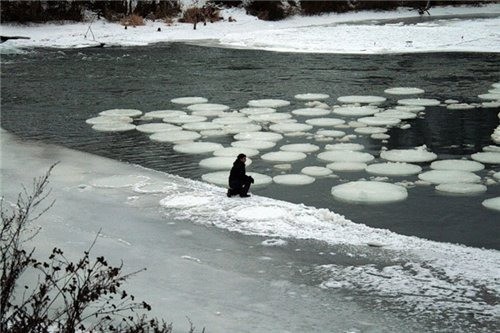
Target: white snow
(295, 34)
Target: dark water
(47, 95)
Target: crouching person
(239, 182)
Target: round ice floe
(345, 156)
(370, 130)
(208, 107)
(232, 120)
(325, 122)
(263, 136)
(394, 113)
(419, 101)
(361, 99)
(160, 114)
(331, 133)
(270, 117)
(345, 146)
(311, 112)
(496, 175)
(460, 106)
(408, 155)
(221, 178)
(235, 151)
(113, 127)
(108, 119)
(293, 179)
(213, 133)
(175, 136)
(463, 165)
(201, 126)
(490, 105)
(380, 136)
(487, 157)
(268, 103)
(489, 96)
(492, 148)
(155, 188)
(118, 181)
(493, 203)
(197, 147)
(300, 147)
(451, 101)
(449, 176)
(290, 127)
(283, 156)
(496, 85)
(184, 119)
(157, 127)
(369, 192)
(257, 111)
(207, 113)
(184, 201)
(404, 91)
(238, 128)
(253, 144)
(356, 111)
(494, 91)
(220, 163)
(410, 108)
(121, 112)
(393, 169)
(311, 97)
(346, 166)
(189, 100)
(461, 188)
(379, 121)
(316, 171)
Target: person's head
(242, 157)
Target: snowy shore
(447, 29)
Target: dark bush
(41, 11)
(267, 10)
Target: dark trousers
(240, 187)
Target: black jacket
(238, 176)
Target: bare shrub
(132, 20)
(67, 296)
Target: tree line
(23, 11)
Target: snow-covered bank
(325, 33)
(429, 277)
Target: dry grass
(132, 20)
